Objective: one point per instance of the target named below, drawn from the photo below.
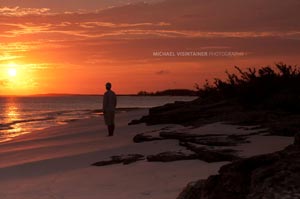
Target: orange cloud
(17, 11)
(80, 49)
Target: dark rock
(145, 138)
(297, 139)
(247, 128)
(239, 138)
(231, 140)
(270, 176)
(182, 136)
(199, 112)
(183, 113)
(211, 155)
(133, 122)
(212, 142)
(205, 139)
(125, 159)
(282, 130)
(175, 135)
(171, 156)
(192, 190)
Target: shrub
(266, 87)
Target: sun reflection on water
(12, 117)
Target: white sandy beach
(55, 163)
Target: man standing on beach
(109, 107)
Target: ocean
(22, 115)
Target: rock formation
(270, 176)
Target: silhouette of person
(109, 107)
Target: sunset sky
(75, 46)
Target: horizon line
(59, 94)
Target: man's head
(108, 86)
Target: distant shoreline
(168, 92)
(61, 95)
(89, 95)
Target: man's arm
(104, 104)
(115, 101)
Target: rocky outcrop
(145, 138)
(200, 153)
(125, 159)
(270, 176)
(208, 155)
(200, 112)
(297, 139)
(184, 113)
(231, 140)
(171, 156)
(203, 139)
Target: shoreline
(60, 158)
(24, 115)
(92, 114)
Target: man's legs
(109, 118)
(111, 129)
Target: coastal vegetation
(170, 92)
(264, 88)
(265, 96)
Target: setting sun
(12, 72)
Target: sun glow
(12, 70)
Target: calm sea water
(21, 115)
